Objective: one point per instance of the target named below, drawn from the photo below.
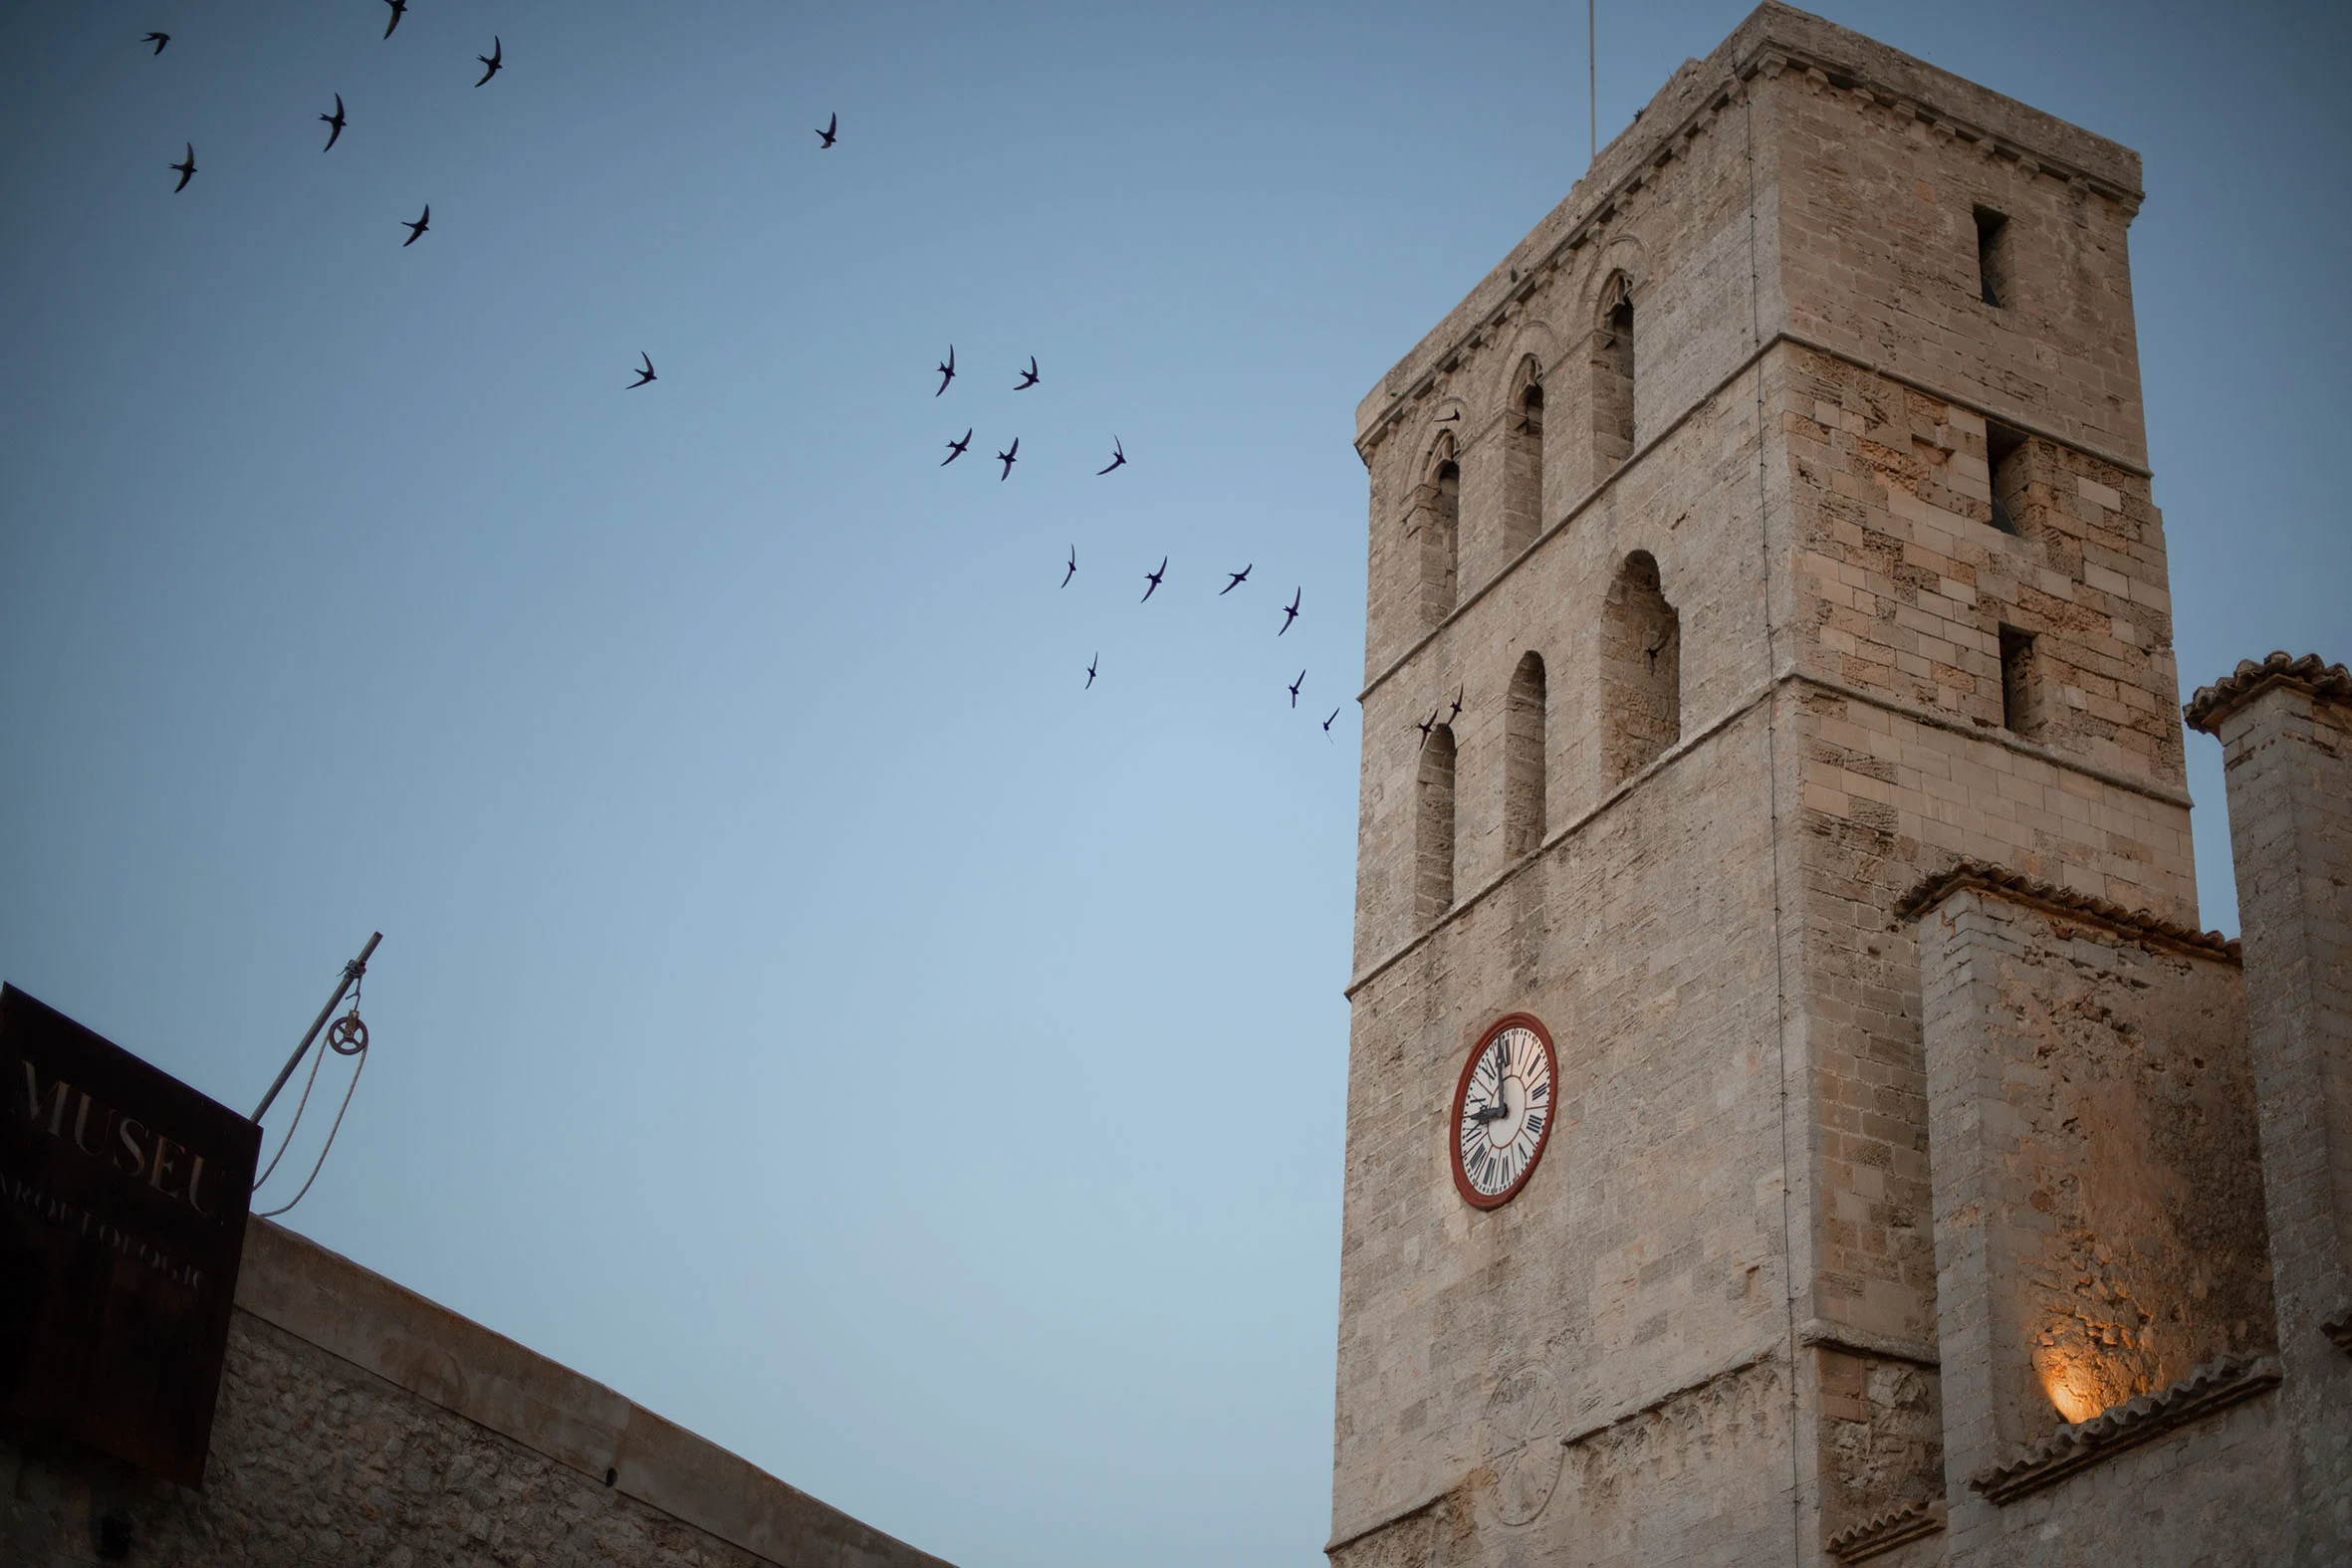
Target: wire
(330, 1132)
(288, 1141)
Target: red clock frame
(1462, 1184)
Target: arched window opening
(1437, 522)
(1641, 669)
(1523, 757)
(1433, 827)
(1522, 460)
(1612, 378)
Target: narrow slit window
(1641, 669)
(2018, 714)
(1433, 833)
(1612, 380)
(1992, 257)
(1523, 449)
(1437, 525)
(1523, 761)
(2005, 450)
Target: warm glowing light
(2076, 1389)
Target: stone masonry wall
(2099, 1226)
(449, 1447)
(1644, 1254)
(2286, 727)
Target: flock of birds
(495, 61)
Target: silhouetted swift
(1153, 577)
(334, 123)
(1007, 458)
(643, 377)
(417, 229)
(400, 10)
(832, 127)
(1424, 726)
(187, 169)
(955, 449)
(1457, 713)
(1239, 577)
(1290, 610)
(1334, 715)
(1073, 566)
(1098, 659)
(158, 40)
(1118, 455)
(1029, 378)
(1445, 419)
(493, 60)
(947, 372)
(1295, 685)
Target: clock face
(1503, 1111)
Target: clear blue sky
(803, 1006)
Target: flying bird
(832, 127)
(642, 376)
(1290, 610)
(187, 169)
(417, 229)
(1153, 577)
(1006, 458)
(334, 123)
(947, 372)
(400, 10)
(1073, 566)
(1239, 577)
(493, 60)
(1424, 726)
(1029, 378)
(1457, 713)
(1334, 715)
(955, 449)
(1119, 457)
(1295, 685)
(1089, 686)
(1446, 419)
(158, 40)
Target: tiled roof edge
(2009, 884)
(2211, 704)
(1885, 1531)
(2220, 1382)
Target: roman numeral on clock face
(1503, 1111)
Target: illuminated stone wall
(2098, 1192)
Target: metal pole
(350, 975)
(1592, 80)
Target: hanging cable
(348, 1038)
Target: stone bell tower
(1767, 530)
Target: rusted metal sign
(123, 1202)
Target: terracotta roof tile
(2206, 710)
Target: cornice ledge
(1886, 1531)
(2211, 704)
(1984, 877)
(2219, 1383)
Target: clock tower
(1768, 530)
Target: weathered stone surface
(360, 1422)
(1842, 569)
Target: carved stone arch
(1433, 522)
(1640, 668)
(1622, 254)
(1612, 360)
(1521, 425)
(1534, 340)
